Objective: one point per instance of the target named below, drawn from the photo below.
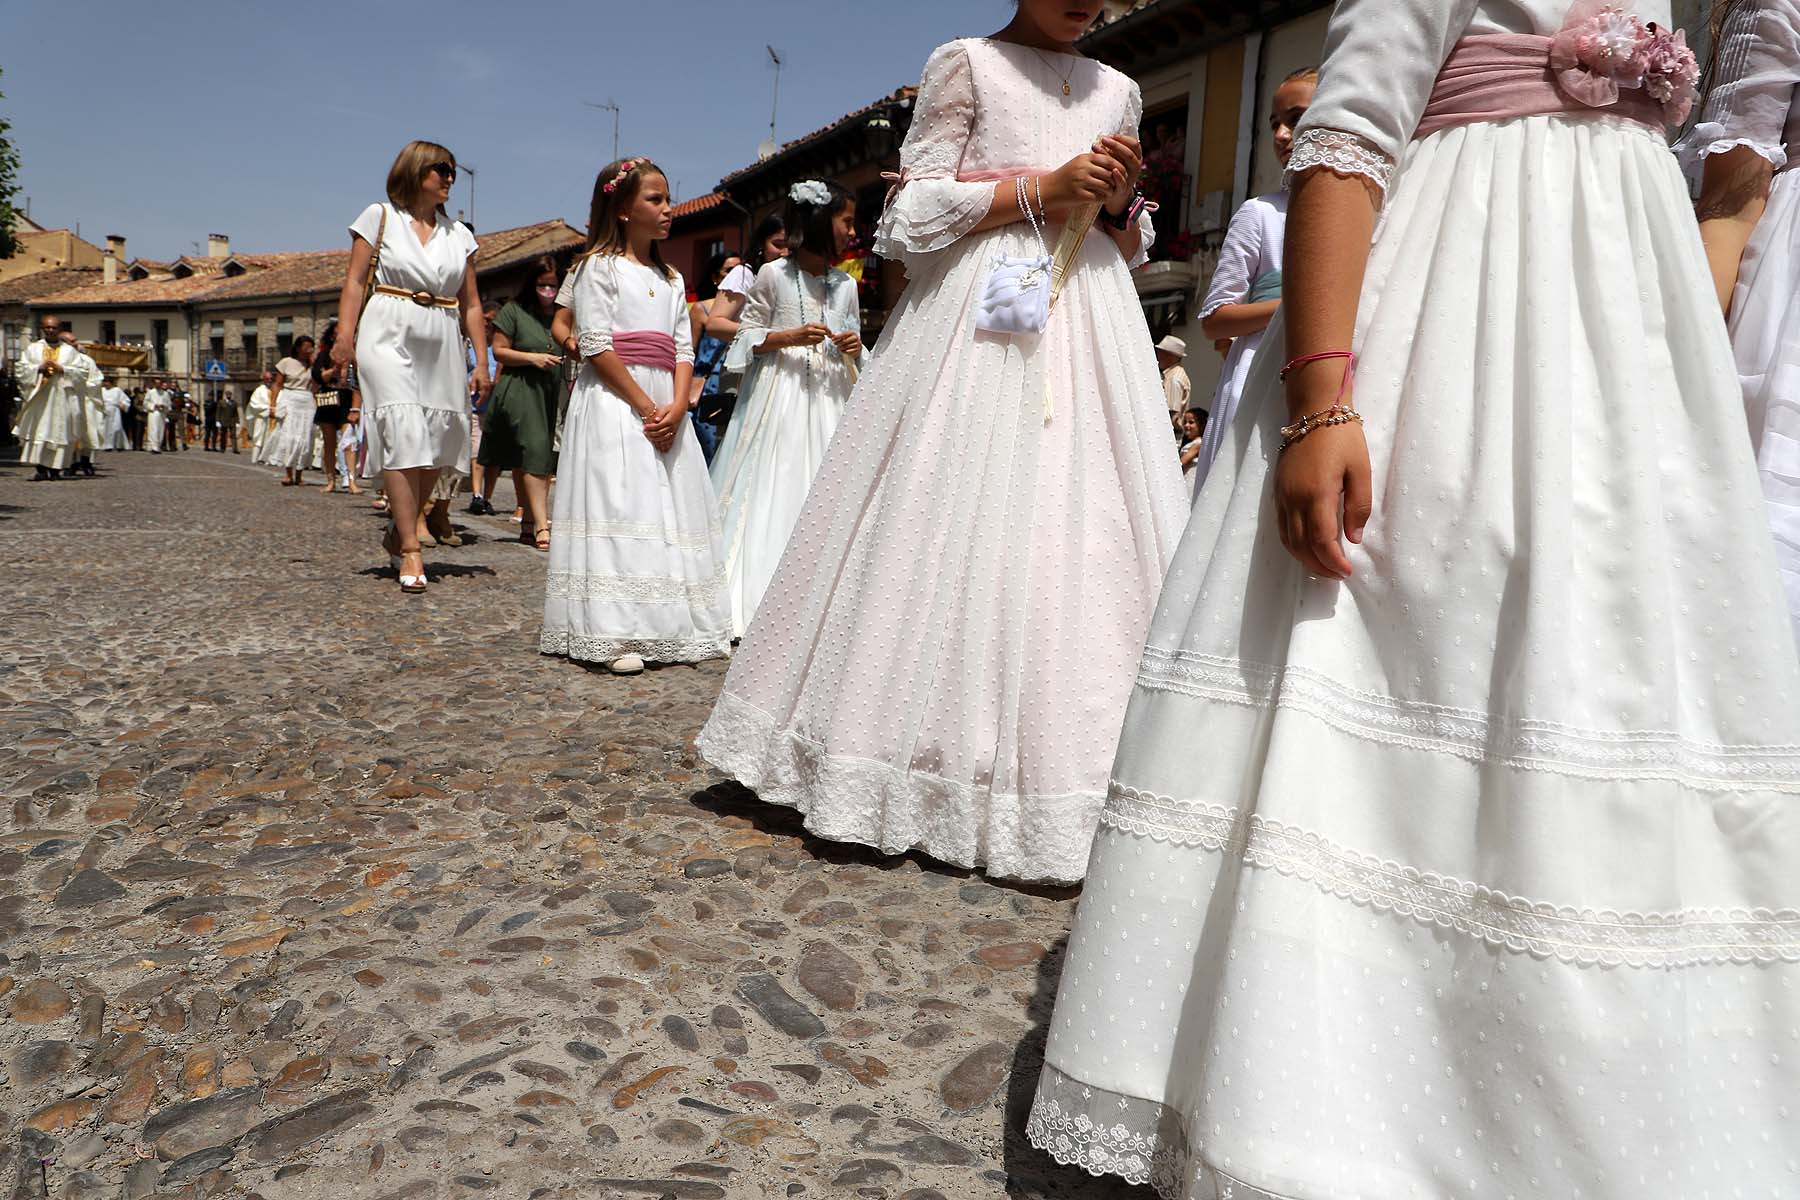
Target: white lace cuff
(1340, 153)
(594, 341)
(1711, 137)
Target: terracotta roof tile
(698, 204)
(905, 93)
(22, 288)
(130, 293)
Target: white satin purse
(1016, 298)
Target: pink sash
(1498, 76)
(645, 348)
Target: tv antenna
(768, 148)
(612, 108)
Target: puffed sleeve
(465, 237)
(368, 225)
(565, 292)
(1238, 255)
(596, 300)
(1756, 69)
(931, 208)
(738, 280)
(1146, 227)
(684, 328)
(753, 326)
(1381, 59)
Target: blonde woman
(408, 342)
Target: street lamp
(466, 169)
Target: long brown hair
(606, 234)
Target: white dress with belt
(410, 357)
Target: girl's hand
(343, 351)
(663, 424)
(806, 335)
(848, 343)
(1322, 494)
(481, 383)
(1084, 179)
(1129, 154)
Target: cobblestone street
(311, 890)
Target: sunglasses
(447, 170)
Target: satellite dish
(766, 151)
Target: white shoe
(626, 664)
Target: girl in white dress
(1750, 222)
(636, 569)
(291, 442)
(1487, 890)
(1237, 305)
(408, 342)
(799, 347)
(943, 657)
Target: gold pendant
(1066, 90)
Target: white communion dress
(1755, 102)
(1252, 249)
(1483, 886)
(636, 565)
(943, 657)
(409, 357)
(788, 408)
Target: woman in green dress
(519, 428)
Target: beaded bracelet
(1337, 414)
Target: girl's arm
(562, 331)
(1734, 190)
(722, 317)
(1224, 314)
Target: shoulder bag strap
(374, 260)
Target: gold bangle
(1337, 414)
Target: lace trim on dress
(648, 531)
(1141, 1141)
(662, 650)
(593, 341)
(1340, 153)
(574, 585)
(1471, 734)
(1583, 936)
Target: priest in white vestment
(157, 406)
(118, 403)
(52, 419)
(93, 404)
(260, 401)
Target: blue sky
(274, 123)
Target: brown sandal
(541, 541)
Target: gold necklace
(1068, 75)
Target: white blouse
(1382, 59)
(436, 265)
(612, 294)
(1754, 100)
(785, 297)
(993, 108)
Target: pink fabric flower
(1602, 50)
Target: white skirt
(943, 657)
(636, 565)
(766, 463)
(1765, 336)
(291, 443)
(1473, 875)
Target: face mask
(546, 294)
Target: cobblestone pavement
(310, 890)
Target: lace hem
(1037, 837)
(644, 531)
(653, 589)
(1340, 153)
(661, 650)
(1470, 734)
(1583, 936)
(1140, 1141)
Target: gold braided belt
(422, 299)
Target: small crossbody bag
(1017, 296)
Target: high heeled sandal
(412, 585)
(541, 540)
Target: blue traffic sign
(215, 369)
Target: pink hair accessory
(625, 168)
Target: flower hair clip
(625, 168)
(810, 191)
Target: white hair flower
(810, 191)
